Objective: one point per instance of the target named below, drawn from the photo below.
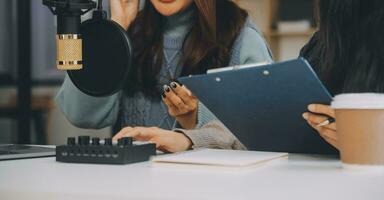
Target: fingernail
(166, 88)
(311, 107)
(163, 95)
(173, 85)
(305, 116)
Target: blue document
(263, 105)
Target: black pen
(330, 120)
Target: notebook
(219, 158)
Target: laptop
(263, 105)
(18, 151)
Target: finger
(121, 133)
(314, 118)
(329, 137)
(315, 125)
(331, 126)
(175, 100)
(328, 133)
(322, 109)
(171, 108)
(181, 91)
(185, 95)
(325, 132)
(129, 132)
(133, 133)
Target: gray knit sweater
(140, 110)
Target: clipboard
(263, 105)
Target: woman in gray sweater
(171, 38)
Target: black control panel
(92, 150)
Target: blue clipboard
(263, 105)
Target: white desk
(300, 177)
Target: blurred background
(29, 79)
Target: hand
(319, 114)
(181, 104)
(166, 141)
(124, 11)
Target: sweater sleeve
(213, 135)
(250, 47)
(253, 48)
(86, 111)
(204, 115)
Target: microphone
(68, 39)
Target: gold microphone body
(68, 39)
(69, 52)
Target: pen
(330, 120)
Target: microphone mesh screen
(69, 54)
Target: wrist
(123, 23)
(186, 140)
(188, 121)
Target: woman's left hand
(318, 115)
(182, 104)
(166, 141)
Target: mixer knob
(96, 141)
(71, 141)
(84, 140)
(108, 141)
(125, 142)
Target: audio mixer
(87, 150)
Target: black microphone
(100, 47)
(68, 39)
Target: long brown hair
(216, 26)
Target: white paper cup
(360, 128)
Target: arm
(85, 111)
(212, 135)
(215, 136)
(210, 132)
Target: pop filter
(107, 53)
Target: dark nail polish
(173, 85)
(163, 95)
(166, 88)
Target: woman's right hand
(124, 12)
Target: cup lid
(358, 101)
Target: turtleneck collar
(178, 25)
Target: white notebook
(220, 158)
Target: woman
(347, 53)
(171, 38)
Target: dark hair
(208, 45)
(348, 50)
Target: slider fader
(88, 150)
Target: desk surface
(299, 177)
